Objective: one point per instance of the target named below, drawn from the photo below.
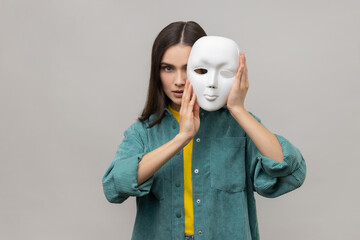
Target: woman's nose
(180, 78)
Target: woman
(201, 189)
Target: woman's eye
(167, 68)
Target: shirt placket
(199, 172)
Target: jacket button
(198, 139)
(198, 201)
(178, 215)
(196, 171)
(200, 232)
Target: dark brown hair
(185, 33)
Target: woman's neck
(175, 107)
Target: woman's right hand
(189, 113)
(189, 125)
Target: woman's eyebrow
(170, 65)
(167, 64)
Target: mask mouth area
(210, 97)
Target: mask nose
(212, 80)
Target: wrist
(182, 139)
(236, 110)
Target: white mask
(211, 69)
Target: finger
(243, 69)
(242, 80)
(240, 77)
(246, 75)
(183, 104)
(238, 73)
(185, 91)
(196, 107)
(192, 102)
(240, 68)
(187, 97)
(189, 102)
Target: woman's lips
(178, 94)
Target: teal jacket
(226, 170)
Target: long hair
(185, 33)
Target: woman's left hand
(239, 88)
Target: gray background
(74, 76)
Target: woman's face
(173, 73)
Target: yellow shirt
(188, 200)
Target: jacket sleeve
(120, 179)
(271, 178)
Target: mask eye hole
(201, 71)
(227, 74)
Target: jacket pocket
(227, 164)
